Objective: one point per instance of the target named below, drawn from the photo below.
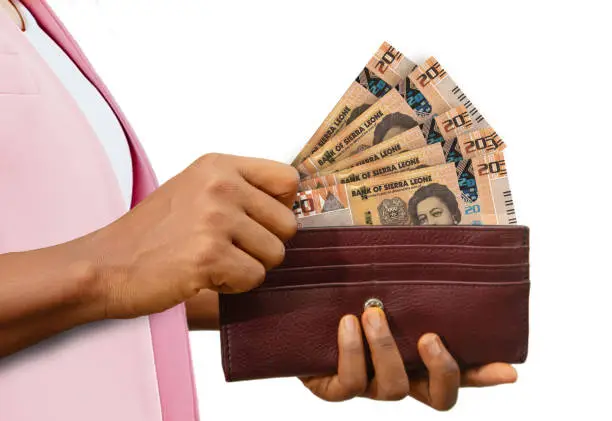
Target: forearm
(44, 292)
(203, 311)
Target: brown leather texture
(468, 284)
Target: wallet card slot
(304, 257)
(384, 272)
(385, 283)
(290, 332)
(489, 235)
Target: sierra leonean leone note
(485, 190)
(425, 196)
(427, 156)
(387, 117)
(425, 106)
(406, 141)
(482, 181)
(444, 95)
(420, 92)
(440, 90)
(385, 70)
(464, 137)
(481, 190)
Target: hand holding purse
(468, 284)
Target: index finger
(275, 178)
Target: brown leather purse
(468, 284)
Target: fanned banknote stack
(403, 146)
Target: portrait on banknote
(434, 204)
(357, 111)
(392, 125)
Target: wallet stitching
(458, 267)
(525, 322)
(311, 232)
(431, 284)
(476, 253)
(229, 351)
(226, 328)
(416, 265)
(462, 247)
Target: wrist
(44, 292)
(87, 284)
(88, 294)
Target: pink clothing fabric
(36, 114)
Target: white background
(256, 78)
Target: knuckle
(208, 258)
(448, 368)
(289, 179)
(222, 185)
(395, 392)
(289, 225)
(277, 254)
(355, 386)
(352, 346)
(210, 251)
(382, 340)
(205, 161)
(257, 274)
(215, 216)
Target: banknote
(427, 156)
(383, 71)
(485, 190)
(464, 136)
(479, 142)
(441, 91)
(406, 141)
(461, 136)
(387, 117)
(484, 195)
(455, 116)
(425, 196)
(425, 106)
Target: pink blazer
(56, 183)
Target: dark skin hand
(439, 389)
(42, 316)
(215, 227)
(390, 383)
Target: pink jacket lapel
(144, 178)
(169, 329)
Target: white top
(99, 114)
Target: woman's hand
(219, 225)
(439, 390)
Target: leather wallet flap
(470, 285)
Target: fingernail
(375, 317)
(349, 324)
(433, 345)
